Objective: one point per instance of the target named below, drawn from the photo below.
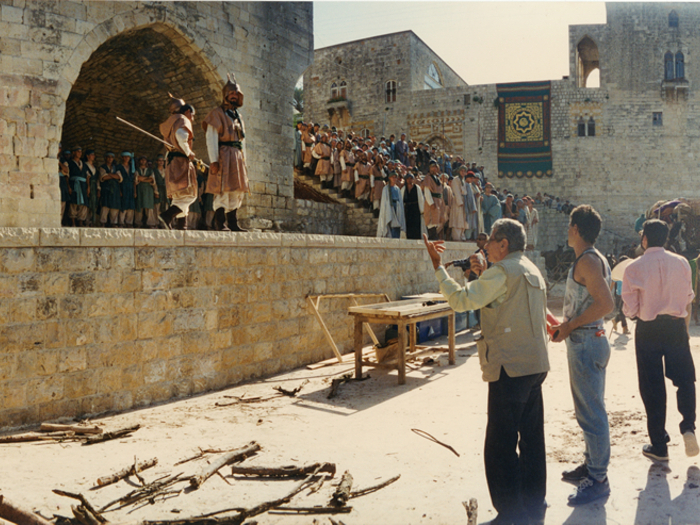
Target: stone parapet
(94, 320)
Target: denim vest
(577, 299)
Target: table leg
(402, 353)
(358, 348)
(412, 337)
(451, 337)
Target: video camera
(463, 264)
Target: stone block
(165, 238)
(19, 237)
(102, 237)
(259, 239)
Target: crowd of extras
(414, 188)
(122, 192)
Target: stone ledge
(19, 237)
(97, 237)
(160, 238)
(59, 237)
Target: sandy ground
(367, 430)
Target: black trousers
(662, 348)
(517, 483)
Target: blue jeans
(395, 232)
(588, 356)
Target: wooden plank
(412, 337)
(348, 359)
(366, 325)
(328, 335)
(358, 348)
(348, 295)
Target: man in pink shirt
(657, 289)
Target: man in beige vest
(513, 355)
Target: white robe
(387, 215)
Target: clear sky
(484, 42)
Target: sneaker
(575, 475)
(691, 444)
(589, 490)
(655, 453)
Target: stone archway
(129, 75)
(441, 142)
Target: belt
(436, 195)
(174, 154)
(325, 158)
(309, 143)
(233, 144)
(364, 176)
(663, 317)
(351, 164)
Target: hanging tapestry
(524, 132)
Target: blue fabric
(395, 233)
(588, 355)
(127, 188)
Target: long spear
(198, 161)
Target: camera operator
(514, 362)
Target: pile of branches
(87, 435)
(309, 477)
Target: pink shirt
(657, 283)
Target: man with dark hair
(587, 301)
(513, 356)
(657, 290)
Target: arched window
(591, 127)
(588, 60)
(581, 127)
(334, 90)
(680, 66)
(673, 19)
(343, 90)
(669, 71)
(364, 133)
(391, 91)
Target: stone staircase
(360, 221)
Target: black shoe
(219, 221)
(376, 213)
(655, 453)
(232, 222)
(575, 475)
(181, 223)
(166, 217)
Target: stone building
(368, 86)
(620, 146)
(69, 68)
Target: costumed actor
(228, 178)
(180, 175)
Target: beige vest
(515, 335)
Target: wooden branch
(248, 400)
(335, 385)
(5, 522)
(116, 434)
(18, 515)
(201, 454)
(148, 491)
(33, 436)
(231, 457)
(125, 472)
(83, 515)
(472, 508)
(291, 393)
(374, 488)
(84, 501)
(313, 510)
(78, 429)
(284, 472)
(342, 493)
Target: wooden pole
(328, 335)
(401, 351)
(358, 347)
(366, 325)
(231, 457)
(451, 337)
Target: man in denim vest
(512, 296)
(587, 301)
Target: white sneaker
(691, 444)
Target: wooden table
(402, 313)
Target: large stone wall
(68, 68)
(366, 65)
(94, 320)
